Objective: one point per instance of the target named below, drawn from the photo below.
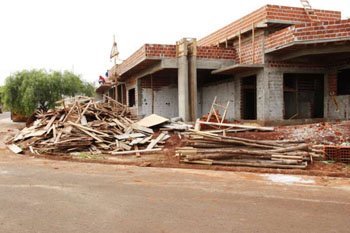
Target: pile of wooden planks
(211, 149)
(82, 124)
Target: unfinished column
(192, 62)
(183, 82)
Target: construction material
(14, 148)
(152, 120)
(239, 126)
(83, 125)
(214, 112)
(210, 149)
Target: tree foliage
(26, 91)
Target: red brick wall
(147, 50)
(158, 50)
(268, 12)
(247, 51)
(233, 28)
(279, 38)
(297, 14)
(309, 31)
(213, 52)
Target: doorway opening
(248, 98)
(303, 96)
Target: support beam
(192, 61)
(183, 92)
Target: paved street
(5, 115)
(56, 196)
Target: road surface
(38, 195)
(5, 115)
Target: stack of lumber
(211, 149)
(229, 127)
(83, 125)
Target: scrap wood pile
(211, 149)
(83, 125)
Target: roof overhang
(294, 44)
(304, 48)
(238, 68)
(103, 88)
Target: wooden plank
(141, 128)
(137, 153)
(127, 136)
(145, 140)
(152, 120)
(134, 151)
(238, 126)
(155, 141)
(119, 123)
(47, 127)
(136, 141)
(88, 129)
(83, 120)
(15, 149)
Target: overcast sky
(78, 35)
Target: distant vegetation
(1, 98)
(26, 91)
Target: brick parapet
(267, 13)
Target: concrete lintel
(213, 64)
(238, 68)
(264, 23)
(150, 70)
(169, 63)
(314, 51)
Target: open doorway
(303, 96)
(343, 82)
(248, 98)
(121, 93)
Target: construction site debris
(229, 126)
(82, 124)
(211, 149)
(152, 120)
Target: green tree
(26, 91)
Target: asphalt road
(56, 196)
(5, 115)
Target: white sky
(78, 35)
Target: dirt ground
(320, 133)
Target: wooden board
(152, 120)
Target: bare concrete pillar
(184, 106)
(192, 61)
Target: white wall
(224, 92)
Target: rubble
(81, 124)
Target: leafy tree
(26, 91)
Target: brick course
(212, 52)
(268, 12)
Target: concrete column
(193, 86)
(183, 88)
(273, 97)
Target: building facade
(276, 65)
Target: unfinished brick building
(275, 65)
